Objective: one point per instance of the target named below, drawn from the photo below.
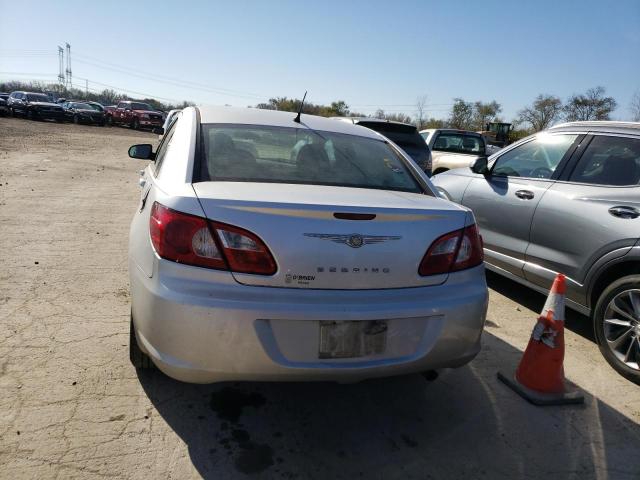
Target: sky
(371, 54)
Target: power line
(170, 82)
(163, 78)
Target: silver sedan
(270, 247)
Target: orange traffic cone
(540, 376)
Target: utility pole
(61, 66)
(68, 71)
(86, 86)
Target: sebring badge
(354, 240)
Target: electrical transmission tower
(61, 65)
(68, 71)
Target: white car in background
(248, 263)
(452, 148)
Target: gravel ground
(71, 405)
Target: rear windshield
(140, 106)
(253, 153)
(459, 143)
(405, 136)
(37, 97)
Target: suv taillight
(189, 239)
(454, 251)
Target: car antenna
(297, 119)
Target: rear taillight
(189, 239)
(244, 251)
(452, 252)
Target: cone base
(538, 398)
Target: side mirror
(158, 131)
(480, 166)
(142, 151)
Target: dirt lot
(71, 405)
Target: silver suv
(567, 200)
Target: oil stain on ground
(229, 403)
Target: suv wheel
(138, 358)
(617, 326)
(30, 115)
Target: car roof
(256, 116)
(599, 126)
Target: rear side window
(537, 158)
(609, 160)
(252, 153)
(459, 143)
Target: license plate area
(352, 339)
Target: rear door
(592, 211)
(505, 200)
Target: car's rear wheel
(138, 358)
(135, 124)
(617, 326)
(30, 115)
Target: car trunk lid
(334, 237)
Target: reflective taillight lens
(189, 239)
(183, 238)
(454, 251)
(244, 251)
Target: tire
(30, 115)
(12, 113)
(623, 356)
(139, 359)
(135, 124)
(109, 120)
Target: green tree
(461, 115)
(592, 105)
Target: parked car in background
(79, 112)
(567, 200)
(260, 267)
(452, 148)
(404, 135)
(136, 115)
(35, 106)
(96, 106)
(4, 109)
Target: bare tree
(592, 105)
(635, 106)
(545, 110)
(421, 111)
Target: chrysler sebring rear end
(267, 249)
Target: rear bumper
(202, 326)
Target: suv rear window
(37, 97)
(459, 143)
(253, 153)
(405, 136)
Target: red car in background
(136, 115)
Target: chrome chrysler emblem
(354, 240)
